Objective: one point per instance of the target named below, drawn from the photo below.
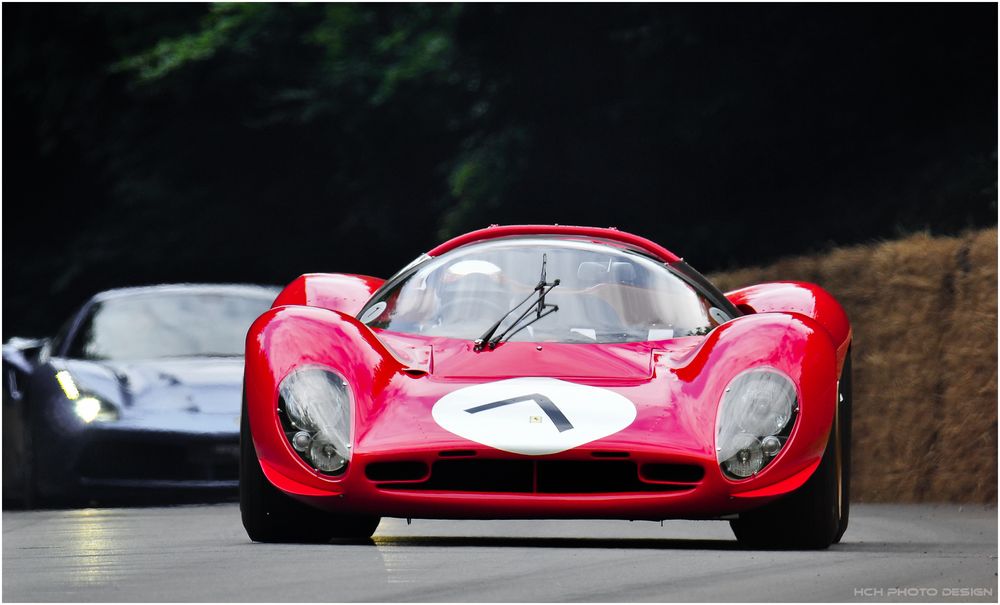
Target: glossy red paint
(676, 386)
(798, 297)
(335, 291)
(566, 230)
(782, 487)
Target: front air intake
(396, 471)
(541, 477)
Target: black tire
(815, 515)
(844, 416)
(271, 516)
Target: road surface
(200, 553)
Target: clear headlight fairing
(91, 409)
(87, 408)
(315, 410)
(758, 406)
(748, 458)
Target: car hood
(202, 385)
(525, 397)
(454, 359)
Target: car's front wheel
(845, 422)
(815, 515)
(271, 516)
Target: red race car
(547, 372)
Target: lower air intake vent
(131, 459)
(673, 473)
(396, 471)
(535, 476)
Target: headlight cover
(88, 408)
(92, 409)
(756, 415)
(314, 406)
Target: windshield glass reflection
(606, 294)
(157, 325)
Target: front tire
(271, 516)
(845, 404)
(815, 515)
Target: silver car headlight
(315, 408)
(88, 408)
(93, 409)
(756, 415)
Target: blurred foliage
(217, 31)
(255, 142)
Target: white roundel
(533, 416)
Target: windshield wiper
(539, 306)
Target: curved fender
(798, 297)
(344, 292)
(792, 343)
(285, 338)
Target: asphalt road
(200, 553)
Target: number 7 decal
(551, 410)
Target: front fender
(285, 338)
(801, 298)
(792, 343)
(344, 292)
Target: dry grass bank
(924, 312)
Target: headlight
(86, 407)
(315, 409)
(756, 415)
(90, 409)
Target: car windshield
(605, 294)
(157, 325)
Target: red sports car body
(624, 386)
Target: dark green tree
(255, 142)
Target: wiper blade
(540, 308)
(487, 336)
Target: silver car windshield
(151, 326)
(606, 294)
